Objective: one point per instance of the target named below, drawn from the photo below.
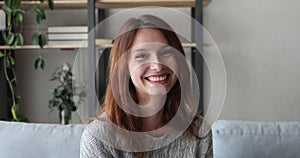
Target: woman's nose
(156, 63)
(156, 66)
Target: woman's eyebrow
(166, 47)
(139, 50)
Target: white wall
(259, 41)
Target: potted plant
(66, 96)
(12, 37)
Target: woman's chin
(157, 91)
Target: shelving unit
(92, 43)
(138, 3)
(82, 4)
(98, 43)
(58, 4)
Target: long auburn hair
(119, 79)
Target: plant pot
(65, 117)
(62, 117)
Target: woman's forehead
(145, 35)
(150, 46)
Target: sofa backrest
(245, 139)
(30, 140)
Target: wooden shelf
(58, 4)
(140, 3)
(24, 47)
(82, 4)
(99, 43)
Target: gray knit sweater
(182, 147)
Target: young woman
(149, 108)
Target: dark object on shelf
(1, 40)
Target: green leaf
(51, 90)
(60, 88)
(8, 2)
(4, 34)
(42, 40)
(7, 62)
(39, 19)
(7, 9)
(51, 4)
(69, 88)
(20, 10)
(1, 54)
(10, 39)
(14, 114)
(39, 63)
(15, 44)
(19, 18)
(8, 16)
(11, 60)
(52, 103)
(53, 78)
(40, 14)
(20, 38)
(37, 9)
(16, 3)
(59, 91)
(35, 38)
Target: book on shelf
(2, 20)
(76, 42)
(67, 29)
(65, 36)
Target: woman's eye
(166, 53)
(141, 56)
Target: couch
(31, 140)
(231, 139)
(245, 139)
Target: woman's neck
(154, 121)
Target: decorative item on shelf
(12, 37)
(67, 95)
(67, 35)
(2, 20)
(2, 25)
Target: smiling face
(152, 63)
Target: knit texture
(182, 147)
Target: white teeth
(156, 79)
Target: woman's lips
(158, 79)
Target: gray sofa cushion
(29, 140)
(244, 139)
